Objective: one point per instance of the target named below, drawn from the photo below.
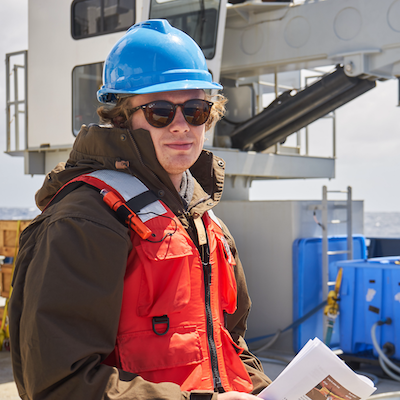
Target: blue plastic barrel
(307, 283)
(370, 292)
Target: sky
(17, 189)
(367, 155)
(368, 142)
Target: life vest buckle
(160, 320)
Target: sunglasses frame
(174, 107)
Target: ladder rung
(336, 206)
(12, 103)
(338, 221)
(331, 253)
(336, 191)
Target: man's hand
(236, 396)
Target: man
(152, 304)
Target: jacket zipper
(205, 259)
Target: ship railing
(16, 102)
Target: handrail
(15, 102)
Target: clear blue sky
(368, 141)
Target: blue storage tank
(370, 292)
(307, 283)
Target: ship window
(199, 19)
(98, 17)
(86, 81)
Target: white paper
(316, 373)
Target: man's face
(179, 144)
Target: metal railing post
(16, 101)
(349, 224)
(16, 107)
(26, 97)
(325, 256)
(334, 133)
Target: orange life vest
(171, 326)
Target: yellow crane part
(332, 307)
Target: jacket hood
(98, 147)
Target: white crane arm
(263, 38)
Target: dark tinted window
(197, 18)
(86, 80)
(98, 17)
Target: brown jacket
(69, 277)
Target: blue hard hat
(154, 57)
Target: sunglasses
(161, 113)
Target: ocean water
(17, 213)
(376, 224)
(382, 224)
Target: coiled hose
(387, 365)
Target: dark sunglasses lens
(196, 111)
(159, 113)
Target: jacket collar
(98, 147)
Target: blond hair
(120, 114)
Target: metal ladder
(325, 223)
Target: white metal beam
(273, 166)
(362, 35)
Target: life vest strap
(145, 203)
(136, 197)
(67, 189)
(141, 200)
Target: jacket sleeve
(237, 322)
(64, 311)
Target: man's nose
(179, 122)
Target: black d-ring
(160, 320)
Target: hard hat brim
(178, 85)
(105, 95)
